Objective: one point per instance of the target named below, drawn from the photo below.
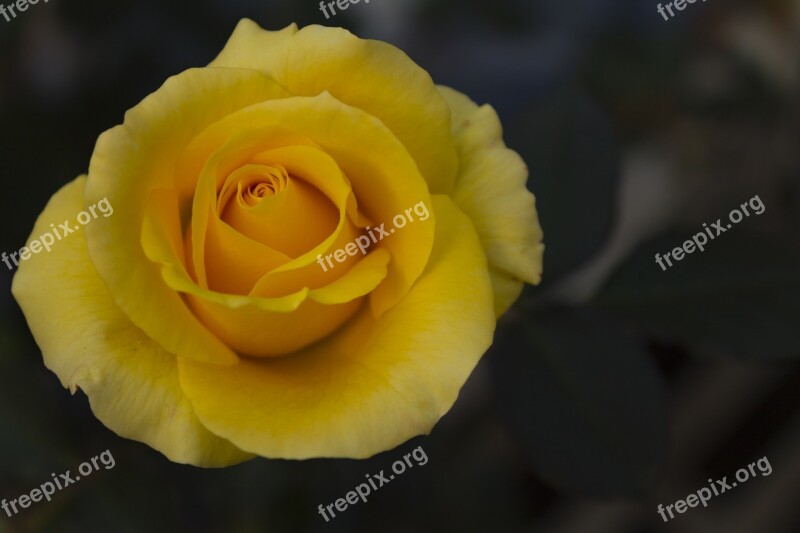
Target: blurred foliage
(574, 167)
(741, 296)
(588, 387)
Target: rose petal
(267, 327)
(131, 382)
(491, 189)
(293, 219)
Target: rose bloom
(199, 319)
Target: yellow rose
(211, 317)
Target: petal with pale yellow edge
(490, 188)
(370, 75)
(375, 383)
(131, 382)
(132, 160)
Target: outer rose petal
(490, 188)
(374, 384)
(370, 75)
(131, 382)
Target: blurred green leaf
(574, 165)
(741, 296)
(584, 399)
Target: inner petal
(264, 203)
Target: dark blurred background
(611, 388)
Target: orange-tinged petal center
(265, 204)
